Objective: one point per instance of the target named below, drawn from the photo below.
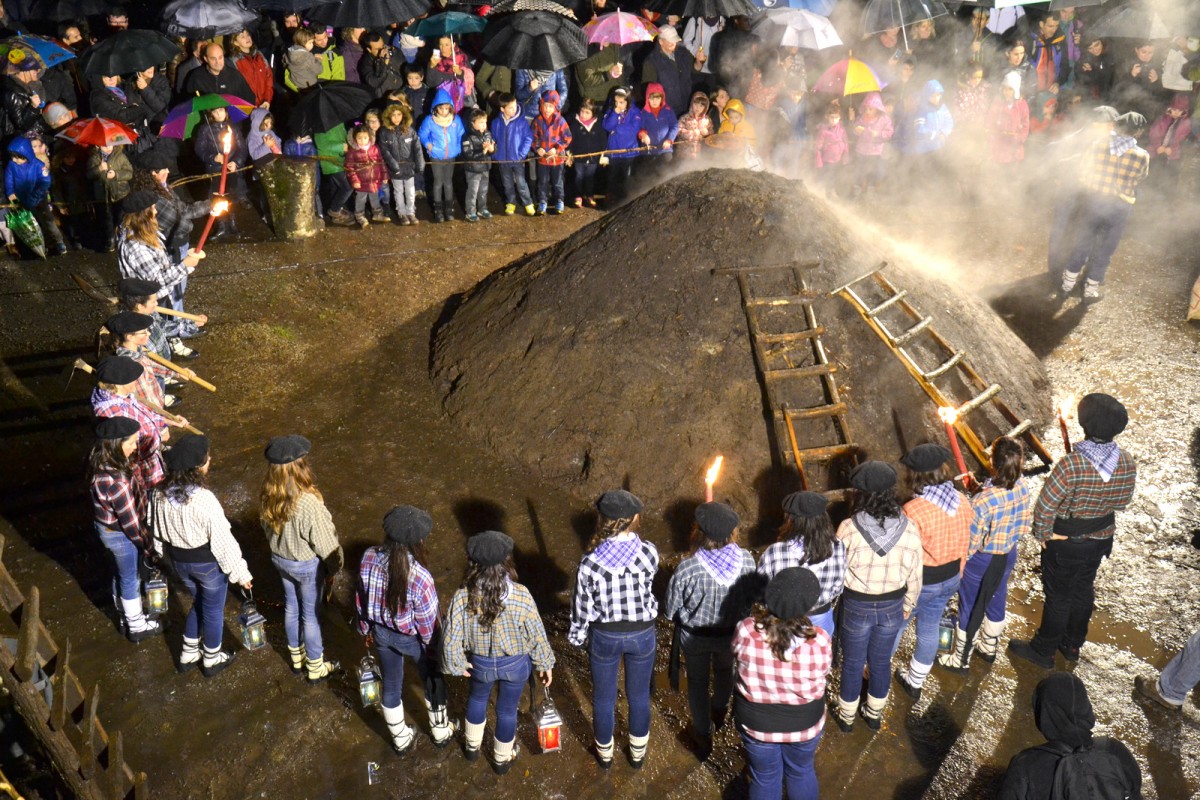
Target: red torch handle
(1062, 423)
(958, 457)
(224, 174)
(204, 234)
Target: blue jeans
(773, 762)
(825, 622)
(208, 587)
(511, 673)
(605, 653)
(301, 593)
(968, 589)
(125, 558)
(550, 184)
(868, 632)
(705, 655)
(512, 181)
(930, 605)
(1100, 229)
(392, 647)
(1182, 673)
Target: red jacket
(258, 75)
(551, 133)
(365, 169)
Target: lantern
(549, 725)
(253, 631)
(370, 689)
(946, 633)
(156, 595)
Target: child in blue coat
(514, 138)
(27, 183)
(624, 125)
(441, 134)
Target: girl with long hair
(807, 539)
(302, 538)
(782, 663)
(613, 611)
(709, 593)
(119, 505)
(494, 636)
(397, 606)
(130, 337)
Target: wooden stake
(170, 312)
(186, 374)
(94, 293)
(162, 412)
(787, 418)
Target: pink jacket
(832, 145)
(876, 132)
(1007, 129)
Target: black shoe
(60, 249)
(911, 691)
(843, 726)
(990, 658)
(874, 723)
(605, 763)
(470, 753)
(199, 334)
(1024, 650)
(502, 769)
(1068, 652)
(438, 217)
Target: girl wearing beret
(494, 636)
(119, 504)
(190, 526)
(302, 538)
(131, 338)
(613, 611)
(397, 606)
(709, 593)
(782, 662)
(806, 539)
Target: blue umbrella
(448, 23)
(49, 52)
(822, 7)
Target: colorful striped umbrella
(183, 118)
(619, 28)
(849, 76)
(98, 131)
(45, 52)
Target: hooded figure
(1008, 122)
(659, 123)
(262, 142)
(933, 122)
(1171, 129)
(693, 127)
(738, 127)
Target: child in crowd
(1166, 137)
(831, 150)
(417, 92)
(733, 120)
(366, 172)
(513, 138)
(404, 157)
(624, 124)
(933, 122)
(1008, 122)
(477, 148)
(441, 135)
(27, 182)
(262, 141)
(72, 192)
(551, 138)
(109, 171)
(693, 127)
(660, 126)
(587, 136)
(207, 141)
(300, 64)
(872, 130)
(373, 122)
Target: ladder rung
(863, 277)
(830, 410)
(800, 372)
(911, 332)
(811, 333)
(979, 399)
(785, 300)
(1022, 428)
(831, 451)
(946, 366)
(886, 304)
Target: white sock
(605, 751)
(638, 746)
(502, 752)
(473, 733)
(917, 673)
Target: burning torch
(710, 478)
(1064, 408)
(949, 416)
(220, 204)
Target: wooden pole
(184, 373)
(170, 312)
(795, 449)
(162, 412)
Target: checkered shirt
(605, 594)
(516, 631)
(869, 573)
(1075, 489)
(195, 523)
(135, 259)
(147, 461)
(761, 678)
(1002, 516)
(944, 538)
(420, 616)
(1113, 175)
(701, 601)
(831, 573)
(120, 505)
(147, 389)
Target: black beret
(407, 524)
(805, 504)
(489, 548)
(1102, 416)
(618, 504)
(119, 370)
(926, 457)
(128, 322)
(286, 449)
(155, 159)
(116, 428)
(873, 476)
(716, 520)
(136, 287)
(138, 201)
(792, 593)
(188, 452)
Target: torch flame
(948, 414)
(1065, 406)
(710, 477)
(219, 207)
(227, 141)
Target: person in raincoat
(660, 126)
(871, 132)
(1008, 123)
(693, 127)
(441, 135)
(27, 183)
(623, 122)
(933, 123)
(551, 141)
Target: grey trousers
(1182, 673)
(477, 192)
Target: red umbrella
(98, 131)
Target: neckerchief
(1119, 145)
(724, 563)
(1103, 457)
(943, 496)
(619, 551)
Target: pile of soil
(618, 357)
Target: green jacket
(331, 145)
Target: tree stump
(291, 185)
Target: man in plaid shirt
(1074, 520)
(1113, 173)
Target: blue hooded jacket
(30, 182)
(442, 144)
(514, 137)
(932, 123)
(623, 131)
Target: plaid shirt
(197, 522)
(608, 594)
(1001, 517)
(944, 538)
(1075, 489)
(309, 533)
(517, 630)
(761, 678)
(135, 259)
(871, 574)
(700, 600)
(147, 462)
(1116, 175)
(420, 616)
(831, 573)
(147, 388)
(119, 504)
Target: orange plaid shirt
(943, 538)
(1116, 176)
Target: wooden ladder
(790, 356)
(954, 361)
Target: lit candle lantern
(710, 478)
(156, 595)
(253, 624)
(370, 688)
(549, 725)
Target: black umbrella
(327, 105)
(542, 40)
(1138, 20)
(60, 10)
(285, 6)
(368, 13)
(1056, 5)
(509, 6)
(127, 51)
(703, 8)
(206, 19)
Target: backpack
(1089, 773)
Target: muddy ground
(332, 338)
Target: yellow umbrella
(849, 76)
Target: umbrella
(368, 13)
(98, 131)
(448, 23)
(327, 105)
(1056, 5)
(821, 7)
(44, 51)
(206, 19)
(25, 227)
(509, 6)
(703, 8)
(619, 28)
(127, 52)
(884, 15)
(793, 27)
(62, 10)
(285, 6)
(849, 76)
(183, 118)
(1138, 20)
(534, 40)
